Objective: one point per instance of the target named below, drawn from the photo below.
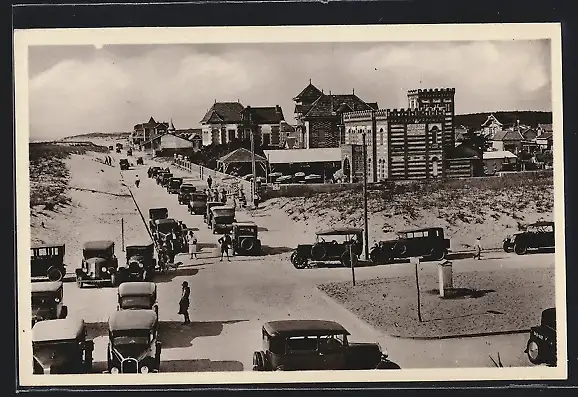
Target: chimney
(354, 91)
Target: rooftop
(304, 327)
(223, 112)
(295, 156)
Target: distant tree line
(530, 118)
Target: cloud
(113, 89)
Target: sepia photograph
(290, 204)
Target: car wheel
(533, 352)
(437, 254)
(298, 261)
(247, 244)
(520, 248)
(259, 361)
(345, 259)
(375, 256)
(79, 281)
(54, 274)
(318, 252)
(507, 247)
(386, 364)
(400, 249)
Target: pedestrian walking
(137, 181)
(225, 242)
(192, 240)
(478, 248)
(209, 181)
(184, 302)
(224, 196)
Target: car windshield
(139, 302)
(42, 300)
(224, 213)
(166, 227)
(133, 337)
(96, 254)
(175, 183)
(339, 239)
(47, 351)
(187, 189)
(246, 230)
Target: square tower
(443, 98)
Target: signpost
(415, 261)
(352, 263)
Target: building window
(381, 136)
(266, 139)
(231, 134)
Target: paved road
(231, 300)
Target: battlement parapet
(432, 91)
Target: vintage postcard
(290, 204)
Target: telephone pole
(253, 165)
(365, 221)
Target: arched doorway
(435, 167)
(346, 170)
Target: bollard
(445, 275)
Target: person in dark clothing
(209, 181)
(184, 302)
(224, 196)
(225, 242)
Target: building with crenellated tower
(412, 143)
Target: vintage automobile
(541, 347)
(119, 146)
(185, 192)
(140, 161)
(152, 171)
(207, 216)
(198, 203)
(129, 152)
(140, 295)
(47, 262)
(245, 241)
(47, 301)
(164, 227)
(124, 164)
(133, 343)
(428, 243)
(165, 179)
(140, 263)
(111, 148)
(155, 214)
(118, 150)
(306, 345)
(160, 174)
(328, 251)
(61, 347)
(174, 185)
(222, 219)
(99, 264)
(538, 235)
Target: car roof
(341, 230)
(247, 223)
(223, 207)
(542, 223)
(142, 246)
(136, 288)
(187, 185)
(304, 327)
(177, 178)
(98, 245)
(166, 220)
(47, 246)
(423, 229)
(124, 320)
(60, 329)
(46, 286)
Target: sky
(80, 89)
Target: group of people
(108, 160)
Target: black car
(124, 164)
(185, 192)
(428, 243)
(536, 236)
(174, 184)
(47, 262)
(349, 246)
(541, 347)
(152, 171)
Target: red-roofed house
(318, 115)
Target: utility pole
(253, 165)
(365, 221)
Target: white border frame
(369, 33)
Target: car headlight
(103, 269)
(140, 265)
(114, 370)
(144, 369)
(56, 300)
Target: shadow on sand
(268, 250)
(95, 330)
(201, 365)
(175, 334)
(461, 293)
(179, 272)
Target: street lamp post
(253, 165)
(365, 221)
